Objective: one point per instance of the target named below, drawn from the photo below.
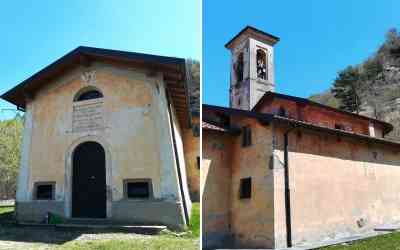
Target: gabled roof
(251, 31)
(270, 95)
(174, 71)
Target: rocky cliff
(379, 93)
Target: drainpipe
(287, 188)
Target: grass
(382, 242)
(160, 242)
(42, 239)
(6, 213)
(194, 226)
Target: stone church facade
(104, 138)
(282, 171)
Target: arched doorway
(89, 181)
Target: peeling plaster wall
(136, 130)
(240, 90)
(258, 87)
(337, 187)
(216, 189)
(252, 223)
(229, 221)
(319, 116)
(251, 89)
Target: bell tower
(252, 67)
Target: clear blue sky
(318, 38)
(36, 33)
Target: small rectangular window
(245, 188)
(246, 136)
(44, 190)
(138, 189)
(198, 162)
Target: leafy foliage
(195, 220)
(10, 143)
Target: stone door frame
(69, 171)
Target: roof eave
(273, 39)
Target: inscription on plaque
(87, 116)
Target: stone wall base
(124, 211)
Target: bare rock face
(381, 98)
(378, 86)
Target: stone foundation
(124, 211)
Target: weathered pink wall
(215, 188)
(319, 116)
(337, 186)
(252, 219)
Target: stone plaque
(87, 117)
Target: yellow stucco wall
(216, 188)
(136, 135)
(252, 219)
(129, 127)
(337, 186)
(249, 222)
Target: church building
(106, 136)
(282, 171)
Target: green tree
(10, 144)
(345, 89)
(371, 68)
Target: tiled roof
(206, 125)
(265, 117)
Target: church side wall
(134, 129)
(339, 187)
(252, 219)
(216, 188)
(192, 152)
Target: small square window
(44, 190)
(245, 188)
(138, 189)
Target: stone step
(138, 229)
(90, 221)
